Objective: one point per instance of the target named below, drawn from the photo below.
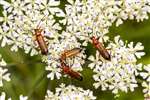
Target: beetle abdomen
(42, 44)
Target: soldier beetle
(70, 53)
(40, 40)
(67, 70)
(99, 46)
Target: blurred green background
(28, 75)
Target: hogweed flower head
(82, 19)
(120, 72)
(20, 18)
(94, 17)
(70, 92)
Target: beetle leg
(37, 48)
(108, 49)
(34, 39)
(47, 37)
(47, 42)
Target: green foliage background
(28, 75)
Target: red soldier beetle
(99, 46)
(70, 53)
(67, 70)
(40, 39)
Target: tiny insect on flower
(70, 53)
(40, 39)
(99, 46)
(67, 70)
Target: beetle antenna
(40, 21)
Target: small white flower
(7, 18)
(23, 97)
(145, 74)
(96, 62)
(4, 75)
(3, 95)
(119, 21)
(53, 71)
(146, 89)
(2, 62)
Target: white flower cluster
(70, 93)
(20, 18)
(120, 72)
(4, 75)
(83, 19)
(146, 83)
(96, 16)
(3, 97)
(86, 18)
